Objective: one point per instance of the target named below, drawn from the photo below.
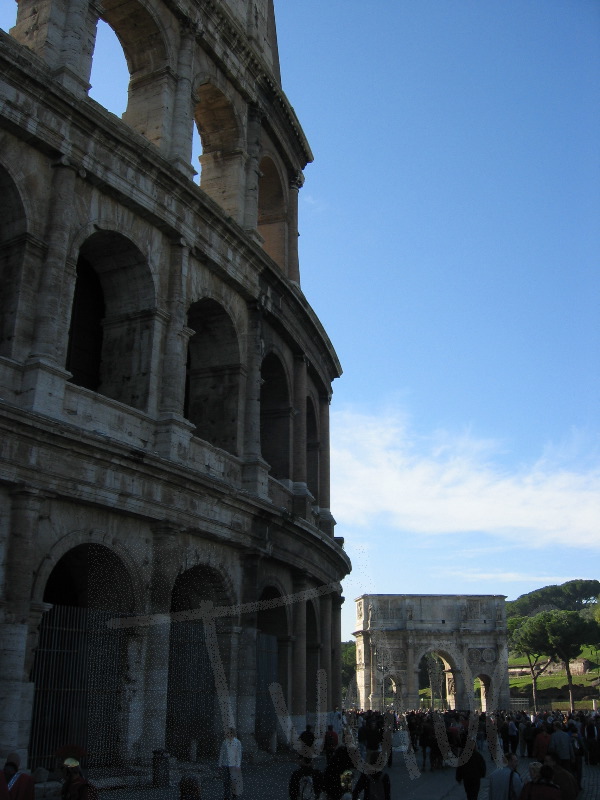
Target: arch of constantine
(467, 632)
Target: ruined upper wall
(257, 17)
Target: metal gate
(193, 722)
(267, 673)
(78, 676)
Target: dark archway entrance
(272, 667)
(194, 726)
(80, 662)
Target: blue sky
(450, 240)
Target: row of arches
(114, 336)
(94, 683)
(174, 94)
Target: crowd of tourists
(558, 744)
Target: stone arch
(144, 44)
(275, 417)
(194, 727)
(272, 210)
(80, 666)
(13, 234)
(448, 687)
(97, 537)
(485, 689)
(272, 662)
(213, 375)
(112, 319)
(312, 448)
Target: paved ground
(270, 781)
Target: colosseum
(167, 548)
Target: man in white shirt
(230, 761)
(505, 782)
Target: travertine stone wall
(154, 345)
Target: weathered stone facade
(468, 633)
(164, 387)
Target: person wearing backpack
(305, 782)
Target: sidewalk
(269, 781)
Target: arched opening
(312, 450)
(222, 161)
(275, 418)
(112, 320)
(109, 78)
(80, 664)
(212, 392)
(13, 228)
(437, 686)
(312, 657)
(272, 655)
(150, 86)
(482, 687)
(194, 725)
(272, 214)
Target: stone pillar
(15, 692)
(173, 431)
(182, 125)
(302, 497)
(255, 469)
(75, 60)
(299, 656)
(247, 677)
(165, 561)
(363, 674)
(285, 644)
(252, 171)
(412, 676)
(336, 656)
(293, 265)
(326, 521)
(44, 375)
(326, 649)
(232, 675)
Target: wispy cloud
(454, 483)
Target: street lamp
(382, 664)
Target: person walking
(20, 785)
(471, 772)
(505, 782)
(230, 762)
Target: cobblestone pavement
(269, 781)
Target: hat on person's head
(13, 758)
(70, 762)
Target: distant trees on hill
(574, 595)
(552, 624)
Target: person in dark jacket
(376, 786)
(542, 788)
(471, 773)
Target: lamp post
(382, 665)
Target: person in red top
(540, 744)
(330, 743)
(20, 785)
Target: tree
(567, 632)
(570, 596)
(527, 636)
(348, 663)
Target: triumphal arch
(467, 632)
